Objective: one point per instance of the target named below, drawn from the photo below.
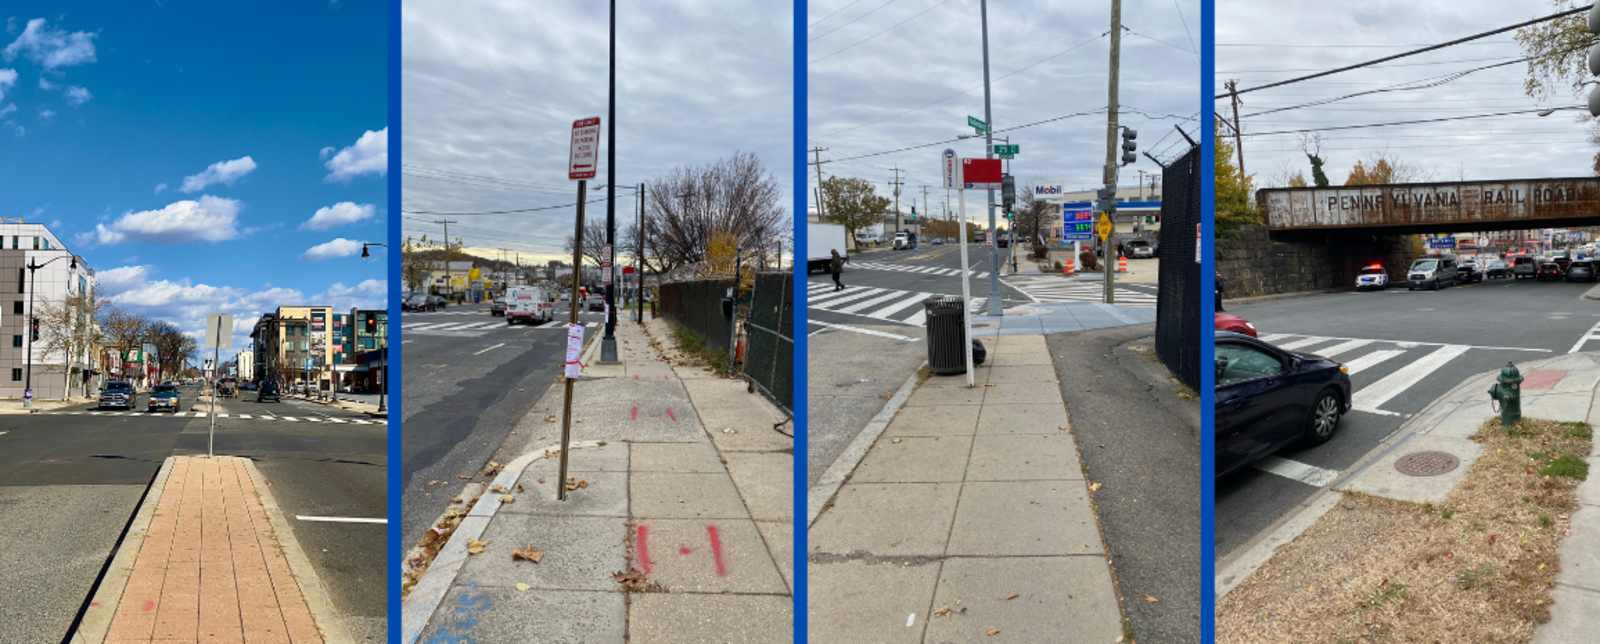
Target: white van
(529, 304)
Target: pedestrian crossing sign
(1104, 227)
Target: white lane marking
(1291, 346)
(1342, 348)
(1273, 337)
(490, 349)
(1593, 334)
(1295, 470)
(340, 519)
(1371, 410)
(849, 296)
(912, 298)
(858, 306)
(1368, 361)
(859, 330)
(1376, 394)
(244, 416)
(291, 419)
(845, 294)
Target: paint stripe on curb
(834, 477)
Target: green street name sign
(1007, 151)
(978, 125)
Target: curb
(323, 613)
(818, 496)
(1593, 294)
(418, 608)
(96, 622)
(1233, 570)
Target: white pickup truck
(528, 304)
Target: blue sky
(202, 156)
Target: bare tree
(688, 206)
(125, 331)
(68, 329)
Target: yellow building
(295, 344)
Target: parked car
(1497, 269)
(438, 301)
(1524, 267)
(1268, 398)
(1549, 270)
(938, 241)
(1139, 249)
(118, 394)
(1372, 277)
(498, 306)
(1580, 270)
(1431, 272)
(417, 302)
(1234, 323)
(1468, 271)
(269, 391)
(164, 398)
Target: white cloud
(340, 247)
(338, 214)
(8, 80)
(52, 48)
(121, 279)
(369, 294)
(78, 95)
(44, 83)
(46, 114)
(326, 151)
(369, 155)
(7, 110)
(225, 172)
(160, 187)
(211, 219)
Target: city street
(1403, 350)
(469, 378)
(71, 480)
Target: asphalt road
(469, 377)
(70, 483)
(863, 344)
(1404, 349)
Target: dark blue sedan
(1268, 398)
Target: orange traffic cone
(1122, 264)
(1069, 268)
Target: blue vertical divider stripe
(1208, 194)
(392, 355)
(799, 330)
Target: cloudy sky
(891, 74)
(490, 91)
(1261, 41)
(201, 158)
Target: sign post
(954, 168)
(217, 339)
(581, 168)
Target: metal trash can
(945, 334)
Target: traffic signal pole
(994, 305)
(1111, 152)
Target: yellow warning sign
(1104, 227)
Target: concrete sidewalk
(1563, 388)
(677, 526)
(370, 409)
(209, 558)
(970, 513)
(1059, 317)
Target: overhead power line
(1416, 122)
(1413, 52)
(1009, 129)
(863, 40)
(498, 212)
(835, 11)
(814, 38)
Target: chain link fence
(1178, 323)
(769, 348)
(697, 307)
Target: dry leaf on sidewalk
(1095, 487)
(528, 553)
(464, 476)
(550, 419)
(1012, 596)
(894, 440)
(433, 482)
(942, 611)
(573, 485)
(475, 546)
(507, 498)
(992, 631)
(522, 588)
(498, 490)
(1150, 599)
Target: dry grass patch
(1477, 569)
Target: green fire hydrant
(1508, 392)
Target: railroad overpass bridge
(1318, 238)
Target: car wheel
(1324, 418)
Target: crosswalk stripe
(867, 303)
(850, 296)
(1291, 346)
(1342, 347)
(1365, 362)
(1273, 337)
(1308, 474)
(846, 294)
(1380, 392)
(890, 309)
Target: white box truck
(529, 305)
(821, 241)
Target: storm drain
(1427, 463)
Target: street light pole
(988, 153)
(638, 265)
(608, 343)
(33, 317)
(383, 394)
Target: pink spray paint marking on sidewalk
(644, 548)
(633, 413)
(669, 415)
(716, 550)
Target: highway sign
(1104, 228)
(981, 174)
(585, 152)
(1007, 149)
(978, 125)
(951, 165)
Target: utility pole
(608, 265)
(1108, 248)
(988, 153)
(822, 214)
(638, 265)
(448, 281)
(925, 211)
(1238, 139)
(896, 183)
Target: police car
(1372, 277)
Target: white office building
(23, 244)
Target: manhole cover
(1426, 463)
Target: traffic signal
(1008, 191)
(1128, 145)
(372, 325)
(913, 212)
(35, 325)
(1106, 199)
